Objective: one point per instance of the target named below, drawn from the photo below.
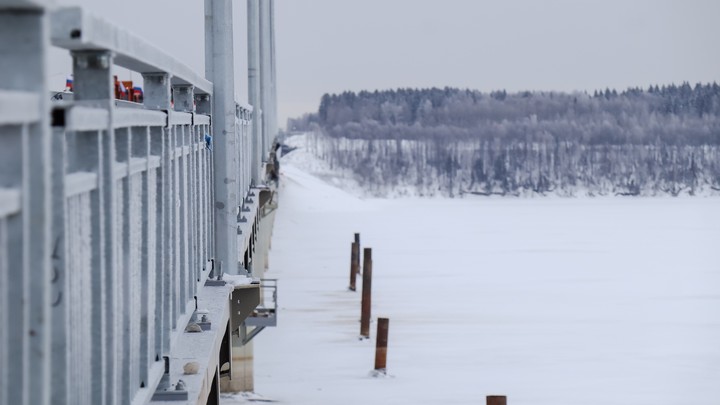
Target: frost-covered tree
(663, 140)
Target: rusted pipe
(357, 256)
(354, 259)
(366, 293)
(381, 344)
(496, 400)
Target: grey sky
(336, 45)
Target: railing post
(183, 97)
(159, 148)
(23, 46)
(141, 149)
(93, 86)
(202, 104)
(156, 95)
(60, 309)
(126, 303)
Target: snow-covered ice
(548, 301)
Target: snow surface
(236, 280)
(549, 301)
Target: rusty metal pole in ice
(366, 294)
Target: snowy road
(549, 301)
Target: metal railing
(132, 245)
(108, 215)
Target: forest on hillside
(655, 141)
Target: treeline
(660, 140)
(497, 167)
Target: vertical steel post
(93, 86)
(156, 93)
(60, 309)
(265, 79)
(381, 344)
(157, 90)
(366, 294)
(253, 21)
(183, 97)
(240, 185)
(123, 287)
(23, 46)
(141, 149)
(273, 81)
(202, 104)
(158, 147)
(220, 70)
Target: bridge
(133, 235)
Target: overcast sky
(336, 45)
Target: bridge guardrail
(106, 212)
(160, 229)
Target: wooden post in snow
(357, 255)
(354, 258)
(381, 345)
(354, 261)
(366, 294)
(496, 400)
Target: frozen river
(548, 301)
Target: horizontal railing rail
(77, 30)
(17, 107)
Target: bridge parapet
(107, 231)
(132, 202)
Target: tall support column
(265, 78)
(220, 70)
(23, 45)
(253, 17)
(273, 76)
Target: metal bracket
(204, 322)
(247, 337)
(169, 392)
(202, 104)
